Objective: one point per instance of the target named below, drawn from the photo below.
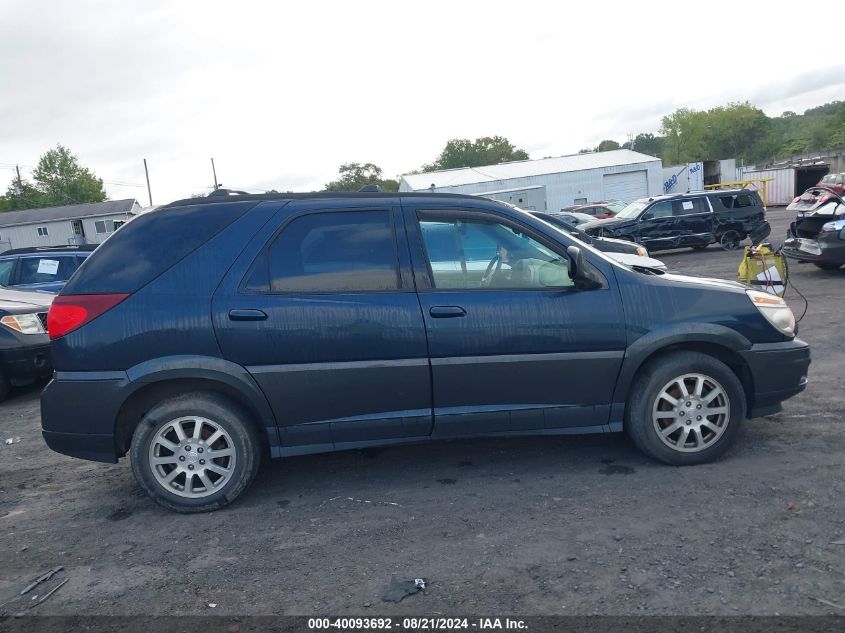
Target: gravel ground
(573, 525)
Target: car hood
(709, 282)
(22, 301)
(632, 259)
(608, 223)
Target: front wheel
(195, 452)
(685, 408)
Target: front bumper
(25, 365)
(778, 372)
(828, 250)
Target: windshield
(832, 179)
(633, 210)
(830, 208)
(617, 206)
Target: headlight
(775, 310)
(23, 323)
(642, 251)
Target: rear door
(321, 310)
(514, 346)
(694, 221)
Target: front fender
(664, 337)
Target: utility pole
(149, 191)
(214, 171)
(18, 169)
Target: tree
(647, 143)
(487, 150)
(353, 176)
(59, 179)
(607, 146)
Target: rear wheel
(730, 240)
(685, 408)
(827, 265)
(195, 452)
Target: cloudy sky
(282, 93)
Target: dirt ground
(572, 525)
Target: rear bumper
(778, 372)
(25, 365)
(78, 414)
(829, 251)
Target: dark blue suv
(208, 332)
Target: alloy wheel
(691, 412)
(192, 456)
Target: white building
(73, 224)
(550, 184)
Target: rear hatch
(808, 224)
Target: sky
(280, 94)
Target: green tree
(353, 176)
(58, 179)
(647, 143)
(487, 150)
(607, 146)
(62, 180)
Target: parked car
(818, 233)
(834, 182)
(208, 332)
(626, 252)
(24, 344)
(598, 210)
(688, 219)
(572, 218)
(44, 268)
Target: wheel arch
(717, 341)
(159, 380)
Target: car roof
(695, 194)
(317, 195)
(70, 248)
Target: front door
(327, 321)
(514, 346)
(658, 227)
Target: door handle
(245, 314)
(446, 312)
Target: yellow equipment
(764, 269)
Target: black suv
(689, 219)
(209, 332)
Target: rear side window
(40, 270)
(738, 201)
(150, 244)
(690, 207)
(342, 251)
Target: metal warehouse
(550, 184)
(56, 226)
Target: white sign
(687, 205)
(48, 266)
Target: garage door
(627, 186)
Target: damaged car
(818, 233)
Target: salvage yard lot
(565, 525)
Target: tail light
(70, 312)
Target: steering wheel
(493, 269)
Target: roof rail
(227, 192)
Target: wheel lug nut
(688, 423)
(181, 458)
(202, 462)
(188, 447)
(689, 404)
(199, 450)
(698, 417)
(190, 466)
(680, 413)
(698, 406)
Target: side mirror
(646, 216)
(584, 276)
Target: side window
(6, 267)
(744, 200)
(689, 207)
(727, 201)
(345, 251)
(38, 270)
(660, 209)
(477, 254)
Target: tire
(730, 240)
(827, 265)
(701, 247)
(233, 439)
(648, 409)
